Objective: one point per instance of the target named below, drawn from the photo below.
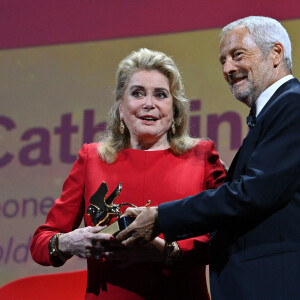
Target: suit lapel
(230, 172)
(248, 146)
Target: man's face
(246, 68)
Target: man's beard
(245, 94)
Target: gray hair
(266, 32)
(145, 59)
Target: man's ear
(277, 54)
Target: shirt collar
(269, 92)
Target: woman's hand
(125, 256)
(85, 242)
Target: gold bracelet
(57, 258)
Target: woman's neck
(149, 145)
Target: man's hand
(143, 229)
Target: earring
(173, 127)
(122, 127)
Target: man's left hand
(143, 229)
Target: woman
(148, 150)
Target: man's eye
(238, 54)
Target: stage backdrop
(55, 97)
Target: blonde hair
(145, 59)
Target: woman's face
(147, 110)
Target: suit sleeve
(195, 250)
(67, 212)
(267, 182)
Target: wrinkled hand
(85, 242)
(143, 229)
(151, 252)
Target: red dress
(156, 175)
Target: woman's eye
(137, 94)
(161, 95)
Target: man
(254, 216)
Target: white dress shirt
(269, 92)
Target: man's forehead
(239, 37)
(235, 34)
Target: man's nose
(228, 67)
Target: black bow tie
(251, 119)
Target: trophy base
(117, 226)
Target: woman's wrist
(63, 243)
(57, 257)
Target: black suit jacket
(254, 218)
